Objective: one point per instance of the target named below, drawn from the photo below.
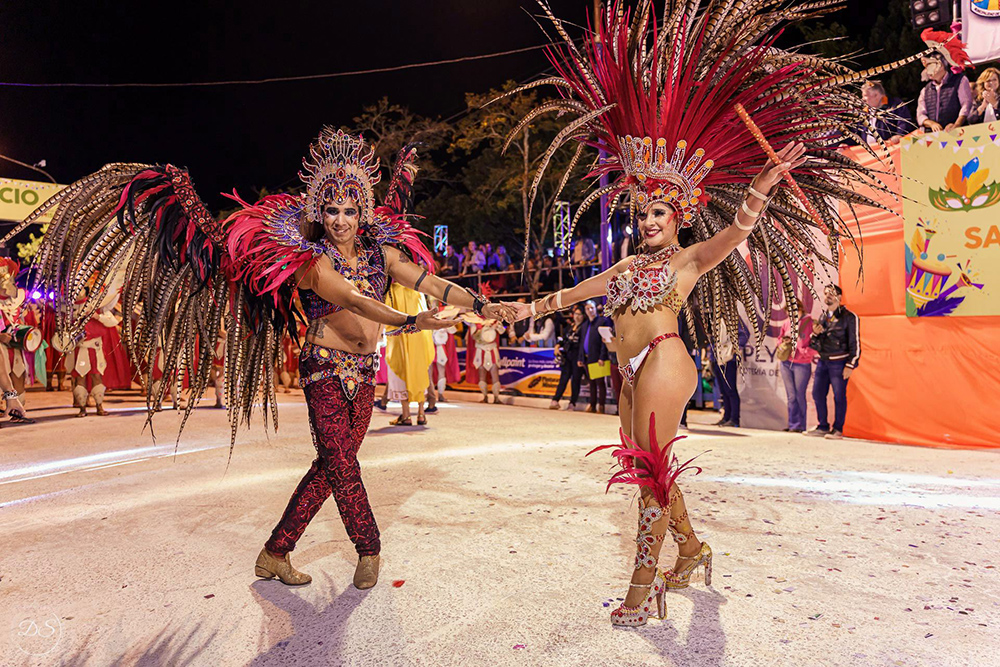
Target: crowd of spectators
(479, 264)
(947, 100)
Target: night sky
(242, 136)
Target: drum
(24, 337)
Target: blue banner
(527, 371)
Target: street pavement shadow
(714, 432)
(169, 647)
(705, 645)
(318, 628)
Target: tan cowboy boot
(269, 567)
(366, 574)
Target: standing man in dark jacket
(592, 351)
(837, 338)
(891, 126)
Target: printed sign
(19, 198)
(529, 371)
(951, 203)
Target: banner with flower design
(951, 215)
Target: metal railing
(567, 276)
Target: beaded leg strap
(679, 536)
(672, 523)
(645, 540)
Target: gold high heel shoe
(682, 578)
(366, 574)
(645, 540)
(269, 567)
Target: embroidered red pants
(338, 427)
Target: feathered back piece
(658, 97)
(147, 222)
(190, 280)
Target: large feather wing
(180, 293)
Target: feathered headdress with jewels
(658, 99)
(339, 166)
(190, 279)
(265, 238)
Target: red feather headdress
(657, 97)
(949, 46)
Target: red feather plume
(260, 250)
(656, 469)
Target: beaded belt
(323, 363)
(630, 369)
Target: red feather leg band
(656, 469)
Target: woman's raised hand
(792, 156)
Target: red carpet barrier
(932, 381)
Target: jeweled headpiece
(340, 166)
(652, 177)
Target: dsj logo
(37, 634)
(18, 196)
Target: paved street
(501, 546)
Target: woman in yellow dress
(409, 357)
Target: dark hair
(311, 231)
(836, 288)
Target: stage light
(930, 13)
(36, 295)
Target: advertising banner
(981, 29)
(763, 402)
(951, 222)
(529, 371)
(19, 198)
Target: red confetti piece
(398, 583)
(209, 596)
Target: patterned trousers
(338, 427)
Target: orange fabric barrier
(932, 381)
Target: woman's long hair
(981, 82)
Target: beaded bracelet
(410, 327)
(479, 303)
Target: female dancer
(664, 104)
(660, 376)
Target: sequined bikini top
(642, 287)
(370, 278)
